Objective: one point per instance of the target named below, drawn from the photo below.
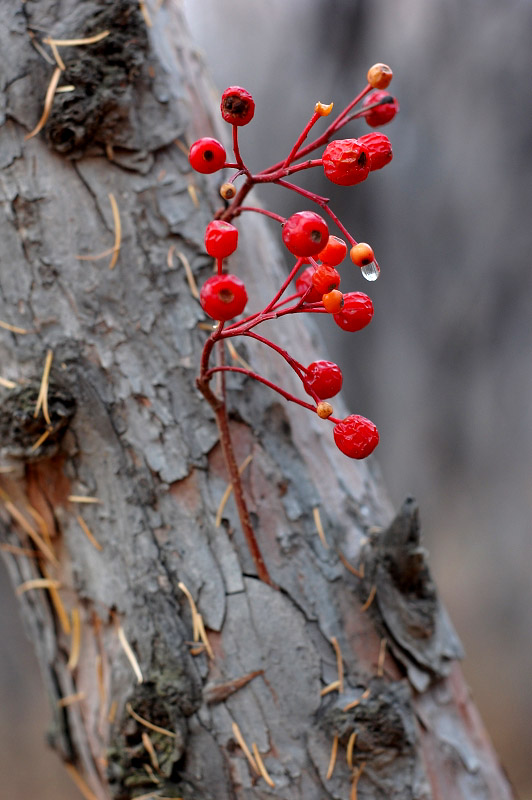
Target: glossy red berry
(223, 297)
(221, 238)
(207, 155)
(355, 436)
(356, 313)
(379, 148)
(237, 106)
(334, 252)
(346, 162)
(305, 233)
(304, 283)
(383, 113)
(324, 378)
(325, 279)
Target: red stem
(302, 136)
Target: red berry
(346, 162)
(237, 106)
(207, 155)
(324, 378)
(356, 436)
(333, 301)
(325, 279)
(383, 113)
(334, 252)
(305, 233)
(362, 254)
(304, 283)
(221, 238)
(356, 313)
(379, 148)
(222, 297)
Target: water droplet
(371, 271)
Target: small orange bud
(362, 254)
(228, 191)
(324, 410)
(322, 109)
(379, 76)
(333, 301)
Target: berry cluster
(305, 234)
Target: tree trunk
(128, 427)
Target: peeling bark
(126, 346)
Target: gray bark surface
(130, 428)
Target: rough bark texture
(130, 428)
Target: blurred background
(445, 369)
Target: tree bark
(129, 427)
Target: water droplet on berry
(371, 271)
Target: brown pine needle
(13, 328)
(80, 782)
(77, 42)
(112, 712)
(331, 687)
(42, 399)
(153, 777)
(148, 744)
(97, 256)
(60, 610)
(75, 644)
(43, 527)
(58, 60)
(19, 551)
(170, 257)
(332, 760)
(192, 285)
(184, 149)
(70, 699)
(29, 529)
(40, 49)
(365, 694)
(7, 383)
(193, 194)
(48, 100)
(86, 530)
(227, 494)
(339, 663)
(36, 583)
(359, 573)
(81, 498)
(40, 440)
(349, 751)
(233, 352)
(145, 13)
(260, 763)
(130, 654)
(147, 723)
(118, 231)
(193, 610)
(371, 598)
(66, 88)
(101, 682)
(382, 656)
(319, 526)
(203, 637)
(220, 692)
(245, 749)
(354, 783)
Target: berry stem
(266, 213)
(236, 150)
(250, 374)
(323, 203)
(296, 366)
(302, 136)
(286, 283)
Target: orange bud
(379, 76)
(322, 109)
(361, 254)
(333, 301)
(228, 191)
(324, 410)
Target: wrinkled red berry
(346, 162)
(305, 233)
(325, 279)
(223, 297)
(356, 313)
(324, 378)
(334, 252)
(381, 114)
(207, 155)
(304, 283)
(221, 238)
(355, 436)
(379, 148)
(237, 106)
